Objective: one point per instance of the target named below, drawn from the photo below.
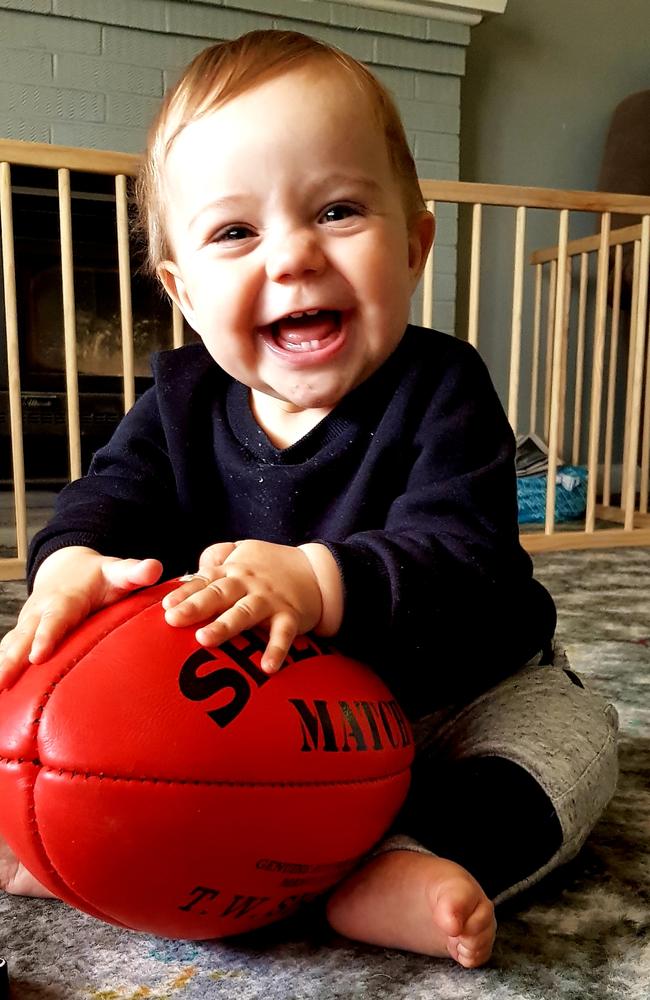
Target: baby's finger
(51, 620)
(192, 583)
(281, 634)
(14, 652)
(245, 613)
(17, 647)
(129, 574)
(7, 641)
(56, 620)
(205, 602)
(214, 556)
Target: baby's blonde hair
(228, 69)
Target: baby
(326, 467)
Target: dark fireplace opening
(37, 251)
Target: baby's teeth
(306, 312)
(303, 345)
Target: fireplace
(97, 308)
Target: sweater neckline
(254, 439)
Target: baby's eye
(339, 212)
(232, 234)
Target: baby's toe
(470, 957)
(480, 919)
(456, 904)
(471, 950)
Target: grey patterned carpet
(582, 935)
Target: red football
(172, 789)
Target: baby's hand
(245, 584)
(70, 584)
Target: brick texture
(105, 76)
(51, 103)
(26, 66)
(134, 13)
(31, 6)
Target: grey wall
(541, 83)
(91, 72)
(540, 87)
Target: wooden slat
(550, 325)
(13, 362)
(475, 276)
(427, 281)
(559, 336)
(537, 326)
(178, 336)
(588, 244)
(645, 441)
(124, 270)
(93, 161)
(611, 379)
(69, 324)
(580, 357)
(565, 348)
(607, 513)
(630, 368)
(12, 569)
(512, 196)
(605, 538)
(637, 382)
(597, 372)
(515, 328)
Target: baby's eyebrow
(229, 201)
(357, 180)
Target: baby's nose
(294, 255)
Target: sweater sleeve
(441, 600)
(126, 503)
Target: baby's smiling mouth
(311, 330)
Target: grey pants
(541, 718)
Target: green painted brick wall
(90, 73)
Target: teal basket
(570, 495)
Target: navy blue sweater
(409, 481)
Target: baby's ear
(422, 228)
(171, 280)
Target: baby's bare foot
(14, 877)
(416, 902)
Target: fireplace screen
(98, 325)
(94, 277)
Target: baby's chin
(299, 399)
(323, 393)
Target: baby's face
(293, 259)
